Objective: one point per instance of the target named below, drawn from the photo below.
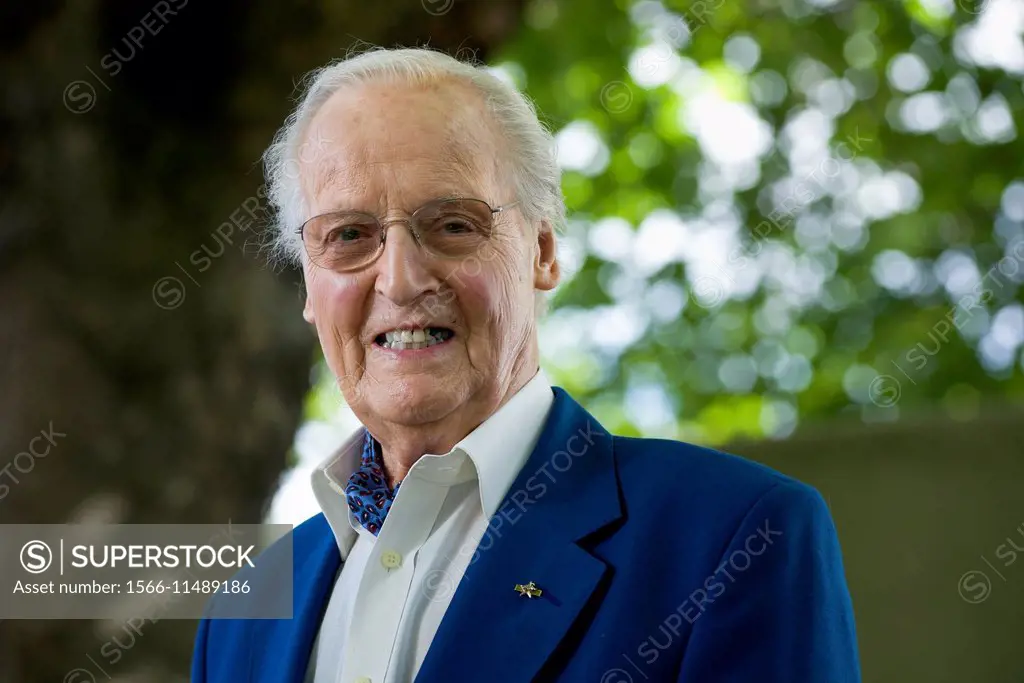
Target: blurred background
(796, 233)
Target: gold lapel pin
(530, 590)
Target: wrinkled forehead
(381, 146)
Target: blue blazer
(657, 561)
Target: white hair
(532, 163)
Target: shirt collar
(328, 482)
(502, 443)
(497, 449)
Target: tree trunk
(166, 359)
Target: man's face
(391, 149)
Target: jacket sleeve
(777, 608)
(199, 652)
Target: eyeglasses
(445, 228)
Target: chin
(416, 400)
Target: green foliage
(841, 298)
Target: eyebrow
(438, 197)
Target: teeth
(421, 338)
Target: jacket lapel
(567, 490)
(281, 648)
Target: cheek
(477, 298)
(491, 294)
(337, 302)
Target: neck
(402, 444)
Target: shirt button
(391, 560)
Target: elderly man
(483, 526)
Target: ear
(307, 307)
(546, 271)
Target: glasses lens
(342, 240)
(454, 227)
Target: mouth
(413, 339)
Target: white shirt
(393, 589)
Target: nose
(403, 270)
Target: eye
(348, 233)
(454, 225)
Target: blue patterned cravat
(369, 496)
